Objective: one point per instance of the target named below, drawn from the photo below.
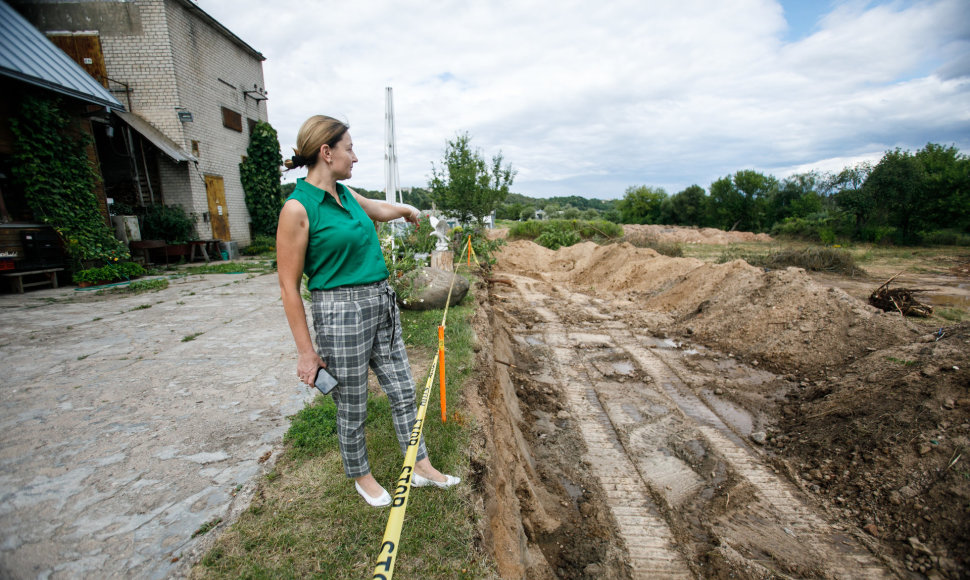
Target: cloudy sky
(589, 98)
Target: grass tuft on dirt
(308, 521)
(813, 259)
(644, 239)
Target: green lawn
(307, 521)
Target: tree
(947, 186)
(846, 189)
(641, 204)
(726, 206)
(260, 175)
(897, 183)
(795, 197)
(687, 207)
(739, 201)
(465, 185)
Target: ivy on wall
(52, 166)
(260, 175)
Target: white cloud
(588, 99)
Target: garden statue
(441, 232)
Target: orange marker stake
(469, 251)
(441, 371)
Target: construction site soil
(644, 416)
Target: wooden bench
(49, 275)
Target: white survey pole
(391, 180)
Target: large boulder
(428, 289)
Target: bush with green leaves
(51, 164)
(558, 236)
(566, 232)
(260, 176)
(169, 223)
(262, 244)
(109, 273)
(419, 239)
(946, 238)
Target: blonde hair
(317, 131)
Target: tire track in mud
(668, 464)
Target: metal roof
(148, 131)
(28, 56)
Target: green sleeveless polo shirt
(343, 249)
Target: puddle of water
(623, 367)
(661, 342)
(949, 301)
(730, 413)
(574, 491)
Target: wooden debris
(899, 300)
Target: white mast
(391, 179)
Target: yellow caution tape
(384, 570)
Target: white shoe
(383, 500)
(419, 481)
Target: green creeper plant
(260, 174)
(52, 166)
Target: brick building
(193, 90)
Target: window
(231, 120)
(195, 148)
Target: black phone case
(325, 381)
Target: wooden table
(204, 246)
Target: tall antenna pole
(391, 179)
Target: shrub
(816, 259)
(558, 236)
(109, 273)
(946, 238)
(419, 238)
(260, 245)
(483, 248)
(530, 230)
(167, 222)
(596, 230)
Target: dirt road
(641, 420)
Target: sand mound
(782, 318)
(690, 235)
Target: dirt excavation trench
(654, 417)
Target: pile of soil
(780, 318)
(692, 235)
(878, 422)
(885, 439)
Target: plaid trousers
(357, 327)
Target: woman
(326, 231)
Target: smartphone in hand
(325, 382)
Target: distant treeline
(905, 198)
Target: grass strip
(306, 520)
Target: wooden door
(84, 49)
(218, 213)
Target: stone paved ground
(121, 435)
